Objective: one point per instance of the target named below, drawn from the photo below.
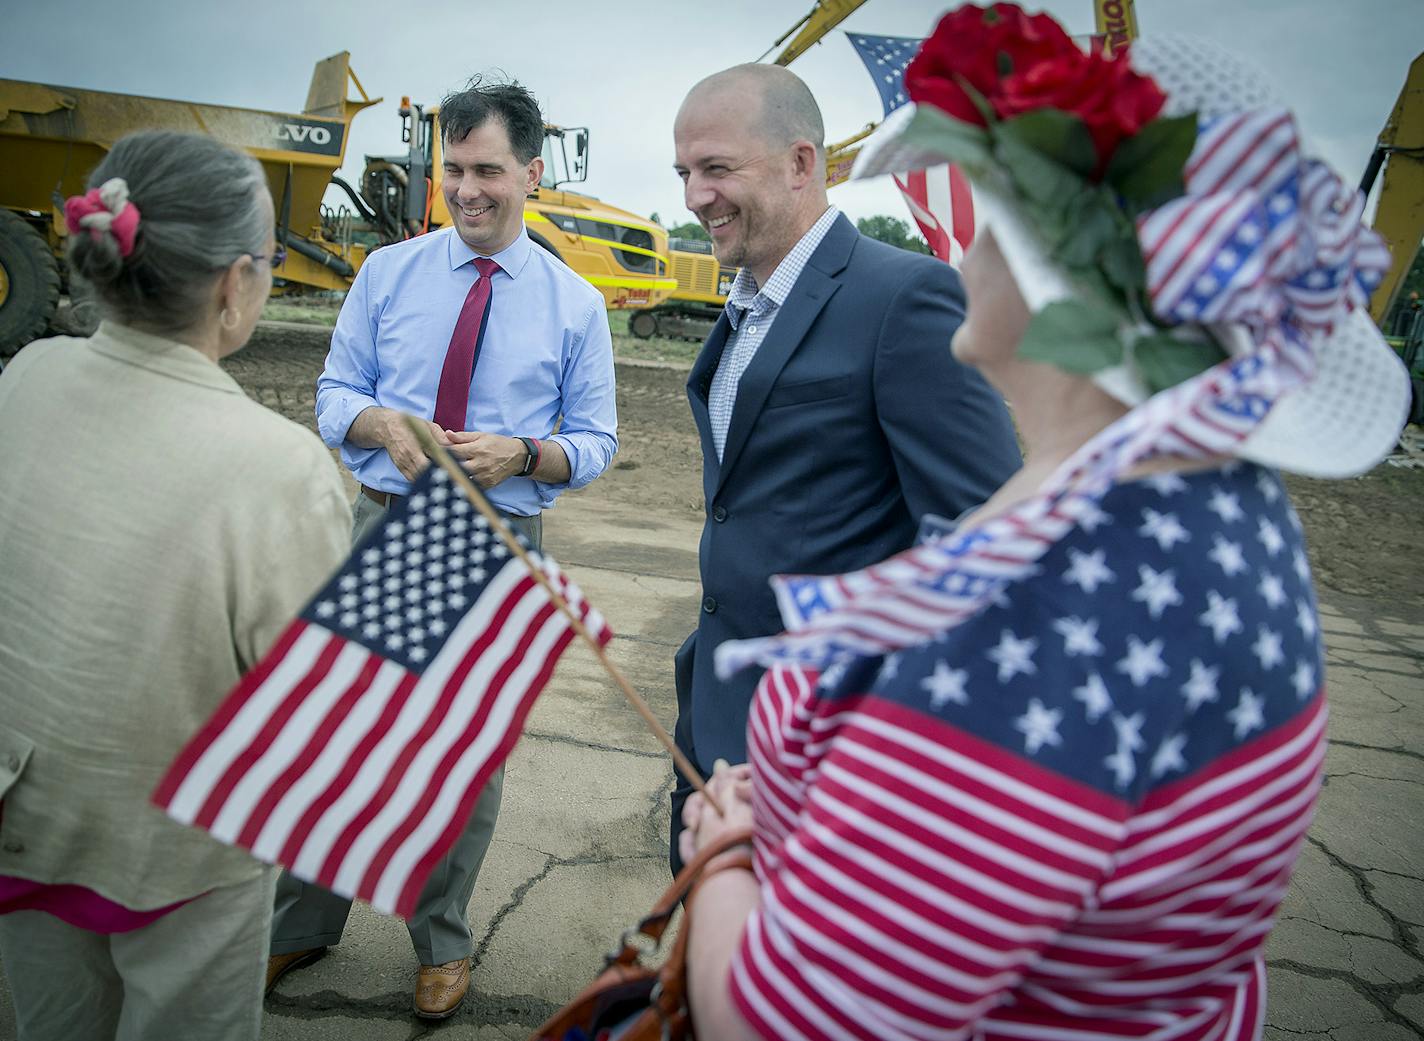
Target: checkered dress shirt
(758, 307)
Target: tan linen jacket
(157, 530)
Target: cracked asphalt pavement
(580, 849)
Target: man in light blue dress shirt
(544, 357)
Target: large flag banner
(354, 752)
(938, 198)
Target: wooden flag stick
(447, 462)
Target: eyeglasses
(276, 258)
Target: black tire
(643, 324)
(31, 278)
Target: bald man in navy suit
(832, 415)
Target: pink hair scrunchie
(104, 210)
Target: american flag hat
(1265, 253)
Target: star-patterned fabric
(886, 58)
(405, 586)
(1074, 814)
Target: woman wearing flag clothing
(157, 531)
(1048, 775)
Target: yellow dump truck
(52, 136)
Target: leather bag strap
(655, 923)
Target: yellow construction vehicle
(52, 136)
(625, 256)
(693, 307)
(1399, 216)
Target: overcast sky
(621, 67)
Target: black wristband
(532, 447)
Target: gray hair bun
(203, 207)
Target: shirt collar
(746, 295)
(161, 355)
(511, 259)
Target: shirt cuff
(337, 412)
(588, 457)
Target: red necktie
(453, 396)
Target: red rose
(1113, 101)
(981, 46)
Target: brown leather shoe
(439, 989)
(278, 965)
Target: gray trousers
(307, 915)
(197, 972)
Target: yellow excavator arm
(1399, 216)
(825, 16)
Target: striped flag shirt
(1072, 817)
(353, 754)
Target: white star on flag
(946, 684)
(1093, 517)
(1305, 618)
(1226, 506)
(1167, 484)
(1143, 661)
(1267, 648)
(1201, 685)
(1013, 656)
(1094, 696)
(1158, 590)
(1270, 537)
(1228, 556)
(1169, 755)
(1164, 527)
(1079, 637)
(1304, 680)
(1087, 570)
(1129, 740)
(1247, 715)
(1272, 589)
(1039, 726)
(1220, 616)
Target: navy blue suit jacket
(851, 422)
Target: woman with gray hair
(158, 529)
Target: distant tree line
(887, 229)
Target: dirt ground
(1365, 535)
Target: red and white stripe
(919, 882)
(940, 201)
(352, 772)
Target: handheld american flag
(939, 198)
(354, 752)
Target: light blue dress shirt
(546, 353)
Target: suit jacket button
(14, 847)
(719, 513)
(709, 604)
